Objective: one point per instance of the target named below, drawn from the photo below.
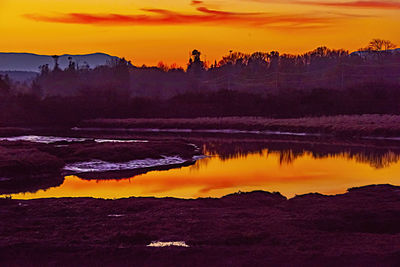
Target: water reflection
(376, 156)
(29, 183)
(290, 168)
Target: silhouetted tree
(274, 60)
(258, 61)
(195, 64)
(56, 66)
(234, 58)
(44, 69)
(162, 66)
(381, 45)
(71, 65)
(387, 45)
(196, 55)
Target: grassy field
(346, 125)
(359, 228)
(20, 160)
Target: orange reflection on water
(214, 177)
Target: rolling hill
(31, 62)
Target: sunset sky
(147, 32)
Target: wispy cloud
(356, 4)
(196, 2)
(203, 15)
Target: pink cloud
(204, 16)
(356, 4)
(196, 2)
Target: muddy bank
(360, 227)
(343, 125)
(24, 168)
(17, 183)
(26, 159)
(121, 152)
(29, 166)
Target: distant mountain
(31, 62)
(366, 53)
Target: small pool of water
(284, 171)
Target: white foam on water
(103, 166)
(120, 141)
(55, 139)
(160, 244)
(43, 139)
(197, 157)
(290, 133)
(228, 131)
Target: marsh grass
(343, 125)
(27, 161)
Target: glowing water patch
(160, 244)
(103, 166)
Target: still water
(291, 172)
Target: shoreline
(28, 166)
(233, 195)
(375, 153)
(364, 126)
(367, 126)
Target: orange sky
(150, 31)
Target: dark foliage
(321, 82)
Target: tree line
(320, 82)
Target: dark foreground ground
(359, 228)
